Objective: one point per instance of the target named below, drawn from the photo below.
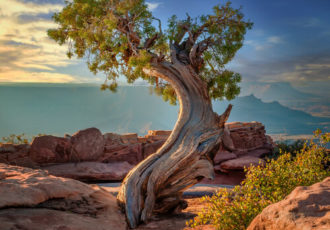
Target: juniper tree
(185, 63)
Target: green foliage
(118, 37)
(17, 139)
(286, 147)
(264, 185)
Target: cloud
(264, 43)
(24, 76)
(153, 5)
(274, 39)
(311, 22)
(297, 70)
(25, 48)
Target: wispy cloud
(312, 22)
(265, 42)
(274, 39)
(153, 5)
(25, 48)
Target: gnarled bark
(157, 183)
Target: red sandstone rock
(15, 154)
(88, 144)
(223, 156)
(33, 200)
(150, 148)
(26, 187)
(129, 138)
(305, 207)
(227, 141)
(240, 163)
(258, 152)
(240, 138)
(91, 171)
(7, 148)
(111, 138)
(159, 132)
(50, 149)
(232, 178)
(247, 136)
(132, 153)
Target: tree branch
(159, 25)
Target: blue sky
(290, 41)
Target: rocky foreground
(89, 155)
(34, 200)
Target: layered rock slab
(306, 207)
(88, 171)
(32, 199)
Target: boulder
(88, 144)
(159, 132)
(240, 163)
(259, 152)
(91, 171)
(132, 153)
(306, 207)
(223, 156)
(33, 200)
(111, 138)
(16, 154)
(50, 149)
(248, 136)
(129, 138)
(150, 148)
(226, 139)
(7, 148)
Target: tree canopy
(121, 37)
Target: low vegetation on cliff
(264, 185)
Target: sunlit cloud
(24, 76)
(24, 46)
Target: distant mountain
(287, 95)
(59, 109)
(276, 117)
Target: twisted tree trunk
(156, 184)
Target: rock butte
(90, 156)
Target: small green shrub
(286, 147)
(18, 139)
(15, 139)
(264, 185)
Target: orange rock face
(305, 208)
